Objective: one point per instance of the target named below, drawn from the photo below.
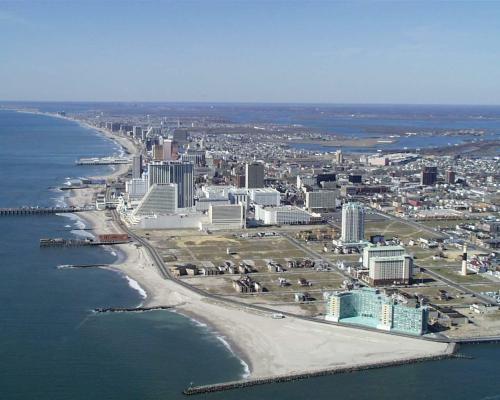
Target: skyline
(263, 52)
(242, 199)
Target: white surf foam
(60, 199)
(83, 234)
(119, 255)
(64, 266)
(225, 343)
(198, 323)
(135, 285)
(246, 368)
(78, 225)
(72, 217)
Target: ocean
(53, 347)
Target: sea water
(53, 347)
(51, 344)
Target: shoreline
(128, 266)
(225, 386)
(269, 347)
(226, 341)
(124, 143)
(95, 222)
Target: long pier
(103, 161)
(40, 210)
(220, 387)
(134, 309)
(60, 242)
(69, 266)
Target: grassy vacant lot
(197, 248)
(486, 287)
(202, 249)
(390, 228)
(444, 223)
(432, 293)
(452, 273)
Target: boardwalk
(61, 242)
(103, 161)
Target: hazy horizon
(243, 103)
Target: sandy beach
(270, 347)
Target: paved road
(429, 230)
(483, 299)
(165, 273)
(412, 223)
(315, 255)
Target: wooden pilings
(38, 211)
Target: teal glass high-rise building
(372, 308)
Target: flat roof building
(321, 200)
(227, 216)
(265, 196)
(137, 132)
(136, 188)
(177, 172)
(254, 175)
(429, 176)
(180, 136)
(283, 215)
(136, 166)
(387, 265)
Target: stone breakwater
(219, 387)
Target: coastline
(269, 347)
(125, 259)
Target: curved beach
(270, 347)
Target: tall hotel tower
(178, 172)
(254, 175)
(136, 166)
(353, 223)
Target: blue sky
(251, 51)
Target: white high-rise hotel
(353, 223)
